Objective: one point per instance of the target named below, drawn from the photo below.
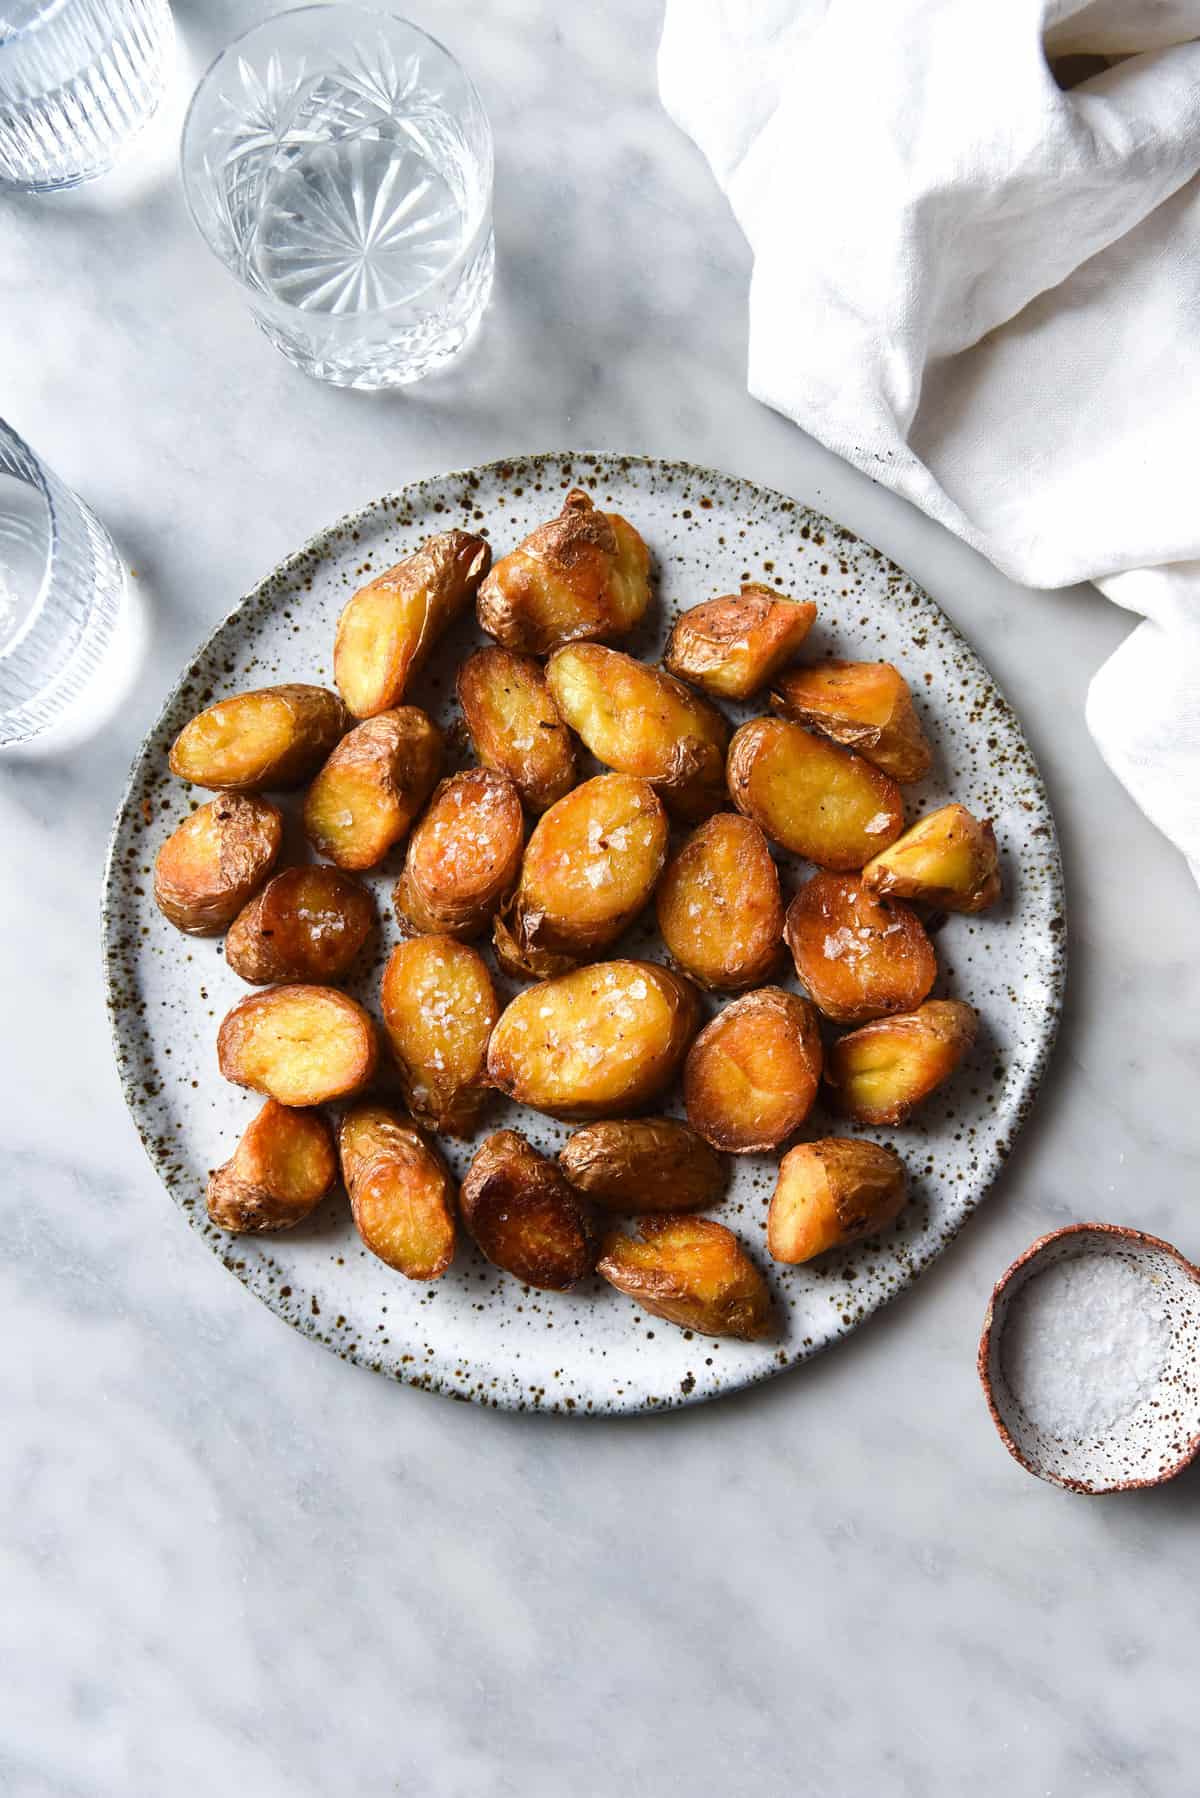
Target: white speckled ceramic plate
(477, 1333)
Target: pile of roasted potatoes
(553, 868)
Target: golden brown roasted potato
(388, 628)
(584, 574)
(589, 869)
(643, 1165)
(641, 721)
(301, 1045)
(859, 958)
(366, 796)
(306, 924)
(947, 859)
(215, 860)
(810, 796)
(733, 645)
(693, 1272)
(515, 726)
(595, 1043)
(831, 1193)
(462, 858)
(401, 1195)
(273, 737)
(880, 1074)
(282, 1168)
(866, 705)
(523, 1215)
(752, 1074)
(719, 906)
(439, 1009)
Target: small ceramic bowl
(1161, 1435)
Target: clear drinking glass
(339, 162)
(77, 79)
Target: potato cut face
(302, 1045)
(832, 1193)
(752, 1074)
(273, 737)
(881, 1073)
(524, 1217)
(439, 1010)
(947, 859)
(462, 858)
(281, 1169)
(308, 924)
(215, 861)
(514, 724)
(859, 957)
(584, 574)
(719, 907)
(691, 1271)
(811, 797)
(389, 626)
(366, 796)
(401, 1194)
(643, 1165)
(865, 705)
(733, 645)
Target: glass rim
(43, 481)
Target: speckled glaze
(476, 1334)
(1158, 1439)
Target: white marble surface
(234, 1564)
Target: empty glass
(339, 162)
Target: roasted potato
(514, 725)
(947, 860)
(462, 859)
(880, 1074)
(301, 1045)
(643, 1165)
(372, 787)
(752, 1074)
(589, 869)
(719, 906)
(439, 1009)
(215, 860)
(732, 646)
(524, 1216)
(594, 1043)
(390, 625)
(831, 1193)
(273, 737)
(858, 957)
(810, 796)
(401, 1195)
(282, 1168)
(306, 924)
(641, 721)
(865, 705)
(693, 1272)
(584, 574)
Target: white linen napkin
(983, 289)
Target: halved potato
(301, 1045)
(283, 1167)
(439, 1009)
(810, 796)
(719, 905)
(831, 1193)
(523, 1215)
(372, 787)
(306, 924)
(693, 1272)
(643, 1165)
(462, 859)
(947, 859)
(515, 726)
(733, 645)
(752, 1074)
(390, 625)
(858, 957)
(866, 705)
(401, 1195)
(214, 861)
(273, 737)
(584, 574)
(880, 1074)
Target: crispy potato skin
(366, 796)
(589, 868)
(641, 721)
(732, 646)
(811, 797)
(643, 1165)
(523, 1215)
(388, 628)
(881, 1073)
(514, 725)
(302, 1045)
(831, 1193)
(752, 1074)
(307, 924)
(858, 958)
(947, 859)
(691, 1271)
(462, 859)
(439, 1010)
(273, 737)
(214, 861)
(401, 1194)
(865, 705)
(585, 574)
(281, 1169)
(595, 1043)
(719, 907)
